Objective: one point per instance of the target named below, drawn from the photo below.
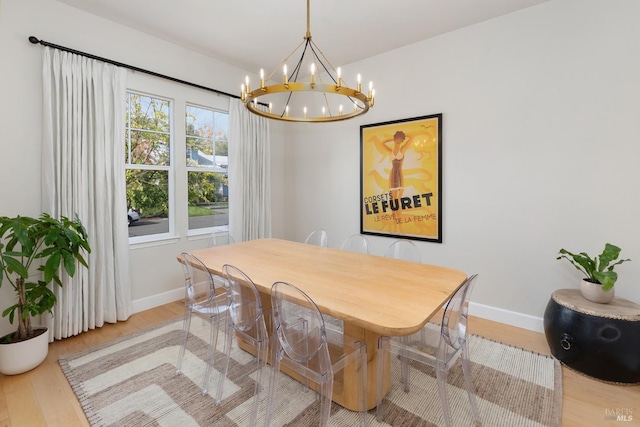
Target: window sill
(153, 240)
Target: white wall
(540, 142)
(541, 145)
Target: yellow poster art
(401, 178)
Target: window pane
(149, 148)
(208, 199)
(148, 113)
(199, 152)
(199, 120)
(148, 193)
(148, 130)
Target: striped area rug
(131, 382)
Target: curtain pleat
(249, 174)
(83, 175)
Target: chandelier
(324, 97)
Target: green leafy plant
(598, 269)
(51, 244)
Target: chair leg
(404, 364)
(213, 342)
(363, 384)
(225, 366)
(441, 375)
(261, 352)
(468, 382)
(383, 355)
(186, 324)
(326, 391)
(275, 368)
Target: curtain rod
(35, 40)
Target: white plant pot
(593, 292)
(17, 358)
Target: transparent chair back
(303, 347)
(246, 322)
(403, 249)
(219, 238)
(205, 297)
(436, 346)
(317, 237)
(356, 243)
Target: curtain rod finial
(34, 40)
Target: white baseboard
(157, 300)
(512, 318)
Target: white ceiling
(254, 34)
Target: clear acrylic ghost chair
(317, 237)
(246, 322)
(356, 243)
(447, 342)
(302, 345)
(219, 238)
(403, 249)
(204, 296)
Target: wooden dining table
(372, 295)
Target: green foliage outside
(148, 137)
(202, 211)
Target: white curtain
(83, 174)
(249, 176)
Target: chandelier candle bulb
(243, 94)
(286, 111)
(359, 84)
(270, 107)
(246, 80)
(304, 110)
(370, 89)
(285, 80)
(313, 75)
(339, 71)
(261, 78)
(340, 112)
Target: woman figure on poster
(400, 178)
(396, 177)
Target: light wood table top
(383, 295)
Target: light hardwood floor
(43, 397)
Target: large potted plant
(25, 243)
(598, 285)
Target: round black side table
(599, 340)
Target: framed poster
(401, 178)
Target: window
(206, 161)
(169, 198)
(148, 163)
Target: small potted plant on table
(50, 244)
(597, 286)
